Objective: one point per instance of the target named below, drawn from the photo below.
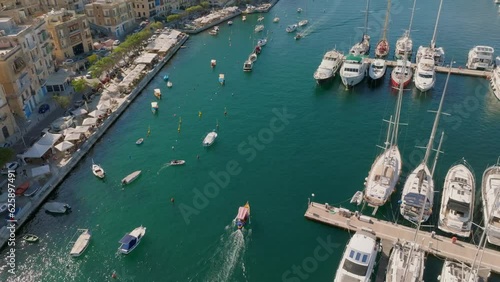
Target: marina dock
(444, 69)
(389, 232)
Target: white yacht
(210, 139)
(480, 57)
(353, 70)
(259, 28)
(291, 28)
(359, 258)
(490, 190)
(401, 74)
(332, 60)
(425, 74)
(377, 69)
(457, 202)
(303, 22)
(406, 263)
(386, 169)
(457, 271)
(405, 44)
(418, 192)
(495, 82)
(276, 19)
(437, 52)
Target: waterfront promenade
(390, 232)
(61, 173)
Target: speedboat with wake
(177, 162)
(243, 216)
(332, 60)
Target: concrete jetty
(390, 232)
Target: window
(351, 254)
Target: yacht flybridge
(490, 191)
(480, 58)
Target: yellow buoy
(199, 114)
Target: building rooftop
(10, 28)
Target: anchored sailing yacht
(359, 258)
(425, 74)
(480, 57)
(384, 173)
(437, 53)
(418, 191)
(490, 189)
(332, 60)
(353, 70)
(457, 202)
(363, 47)
(458, 271)
(405, 44)
(406, 263)
(383, 47)
(495, 82)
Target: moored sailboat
(418, 192)
(457, 202)
(406, 263)
(405, 44)
(401, 74)
(386, 169)
(362, 48)
(437, 53)
(383, 47)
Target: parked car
(79, 103)
(43, 108)
(116, 43)
(6, 145)
(68, 62)
(9, 166)
(88, 75)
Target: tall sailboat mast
(433, 41)
(436, 121)
(397, 114)
(366, 17)
(438, 151)
(411, 18)
(386, 23)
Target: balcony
(23, 82)
(19, 64)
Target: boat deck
(457, 71)
(390, 232)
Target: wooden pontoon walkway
(458, 71)
(439, 246)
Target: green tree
(172, 18)
(6, 154)
(205, 4)
(156, 25)
(92, 59)
(193, 9)
(79, 84)
(62, 101)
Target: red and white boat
(243, 216)
(401, 74)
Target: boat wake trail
(165, 165)
(228, 257)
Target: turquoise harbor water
(311, 139)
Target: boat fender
(172, 200)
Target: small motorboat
(247, 65)
(299, 10)
(357, 198)
(32, 190)
(131, 240)
(131, 177)
(56, 207)
(259, 28)
(260, 19)
(213, 63)
(230, 22)
(157, 93)
(165, 77)
(177, 162)
(30, 238)
(3, 207)
(139, 141)
(298, 36)
(213, 32)
(97, 170)
(154, 107)
(303, 22)
(275, 20)
(209, 139)
(257, 49)
(222, 79)
(244, 18)
(243, 216)
(170, 84)
(81, 243)
(22, 188)
(253, 57)
(262, 42)
(291, 28)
